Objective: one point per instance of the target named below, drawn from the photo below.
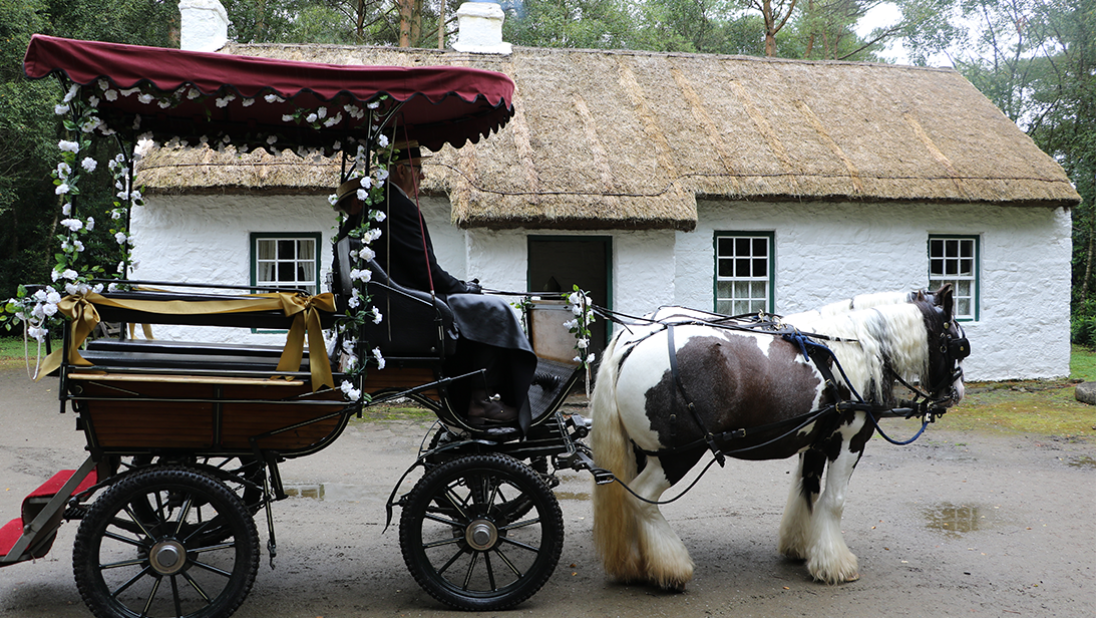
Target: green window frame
(745, 272)
(955, 259)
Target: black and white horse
(645, 433)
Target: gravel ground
(957, 524)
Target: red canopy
(245, 99)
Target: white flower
(103, 84)
(53, 297)
(332, 121)
(71, 94)
(583, 344)
(91, 223)
(590, 357)
(73, 225)
(366, 254)
(353, 302)
(351, 393)
(112, 287)
(49, 309)
(378, 215)
(111, 95)
(60, 109)
(366, 182)
(79, 245)
(273, 98)
(68, 146)
(146, 98)
(41, 296)
(382, 175)
(380, 359)
(333, 199)
(571, 324)
(373, 105)
(70, 274)
(98, 289)
(270, 139)
(90, 124)
(577, 359)
(120, 237)
(93, 101)
(311, 118)
(377, 317)
(63, 170)
(116, 214)
(56, 274)
(372, 235)
(362, 194)
(287, 118)
(322, 112)
(89, 164)
(37, 333)
(382, 140)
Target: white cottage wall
(825, 252)
(205, 239)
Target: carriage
(185, 439)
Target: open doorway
(556, 263)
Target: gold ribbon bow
(306, 312)
(80, 308)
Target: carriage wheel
(482, 532)
(145, 549)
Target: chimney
(479, 29)
(204, 25)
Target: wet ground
(957, 524)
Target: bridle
(953, 348)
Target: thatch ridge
(606, 139)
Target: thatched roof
(621, 139)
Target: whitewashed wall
(826, 252)
(823, 252)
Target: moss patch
(1040, 407)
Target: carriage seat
(414, 324)
(185, 355)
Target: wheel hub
(167, 557)
(481, 535)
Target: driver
(491, 338)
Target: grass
(1042, 407)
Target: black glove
(472, 287)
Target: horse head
(948, 346)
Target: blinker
(959, 348)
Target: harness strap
(708, 437)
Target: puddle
(1082, 461)
(956, 520)
(313, 492)
(572, 495)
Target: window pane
(265, 272)
(724, 289)
(760, 268)
(741, 289)
(306, 249)
(951, 248)
(966, 267)
(266, 249)
(725, 247)
(740, 307)
(726, 268)
(286, 250)
(761, 247)
(758, 290)
(742, 247)
(742, 268)
(285, 271)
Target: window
(743, 273)
(286, 261)
(954, 260)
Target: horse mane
(886, 336)
(862, 301)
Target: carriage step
(41, 539)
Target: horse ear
(945, 300)
(919, 296)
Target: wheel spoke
(183, 512)
(521, 524)
(201, 550)
(441, 520)
(132, 580)
(524, 546)
(133, 517)
(197, 530)
(451, 561)
(471, 567)
(123, 539)
(442, 543)
(123, 563)
(510, 564)
(197, 588)
(457, 503)
(175, 596)
(151, 596)
(490, 571)
(210, 568)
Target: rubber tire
(534, 496)
(108, 514)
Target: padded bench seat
(153, 354)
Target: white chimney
(204, 25)
(479, 29)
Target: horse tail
(615, 524)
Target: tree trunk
(407, 10)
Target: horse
(666, 389)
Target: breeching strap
(708, 437)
